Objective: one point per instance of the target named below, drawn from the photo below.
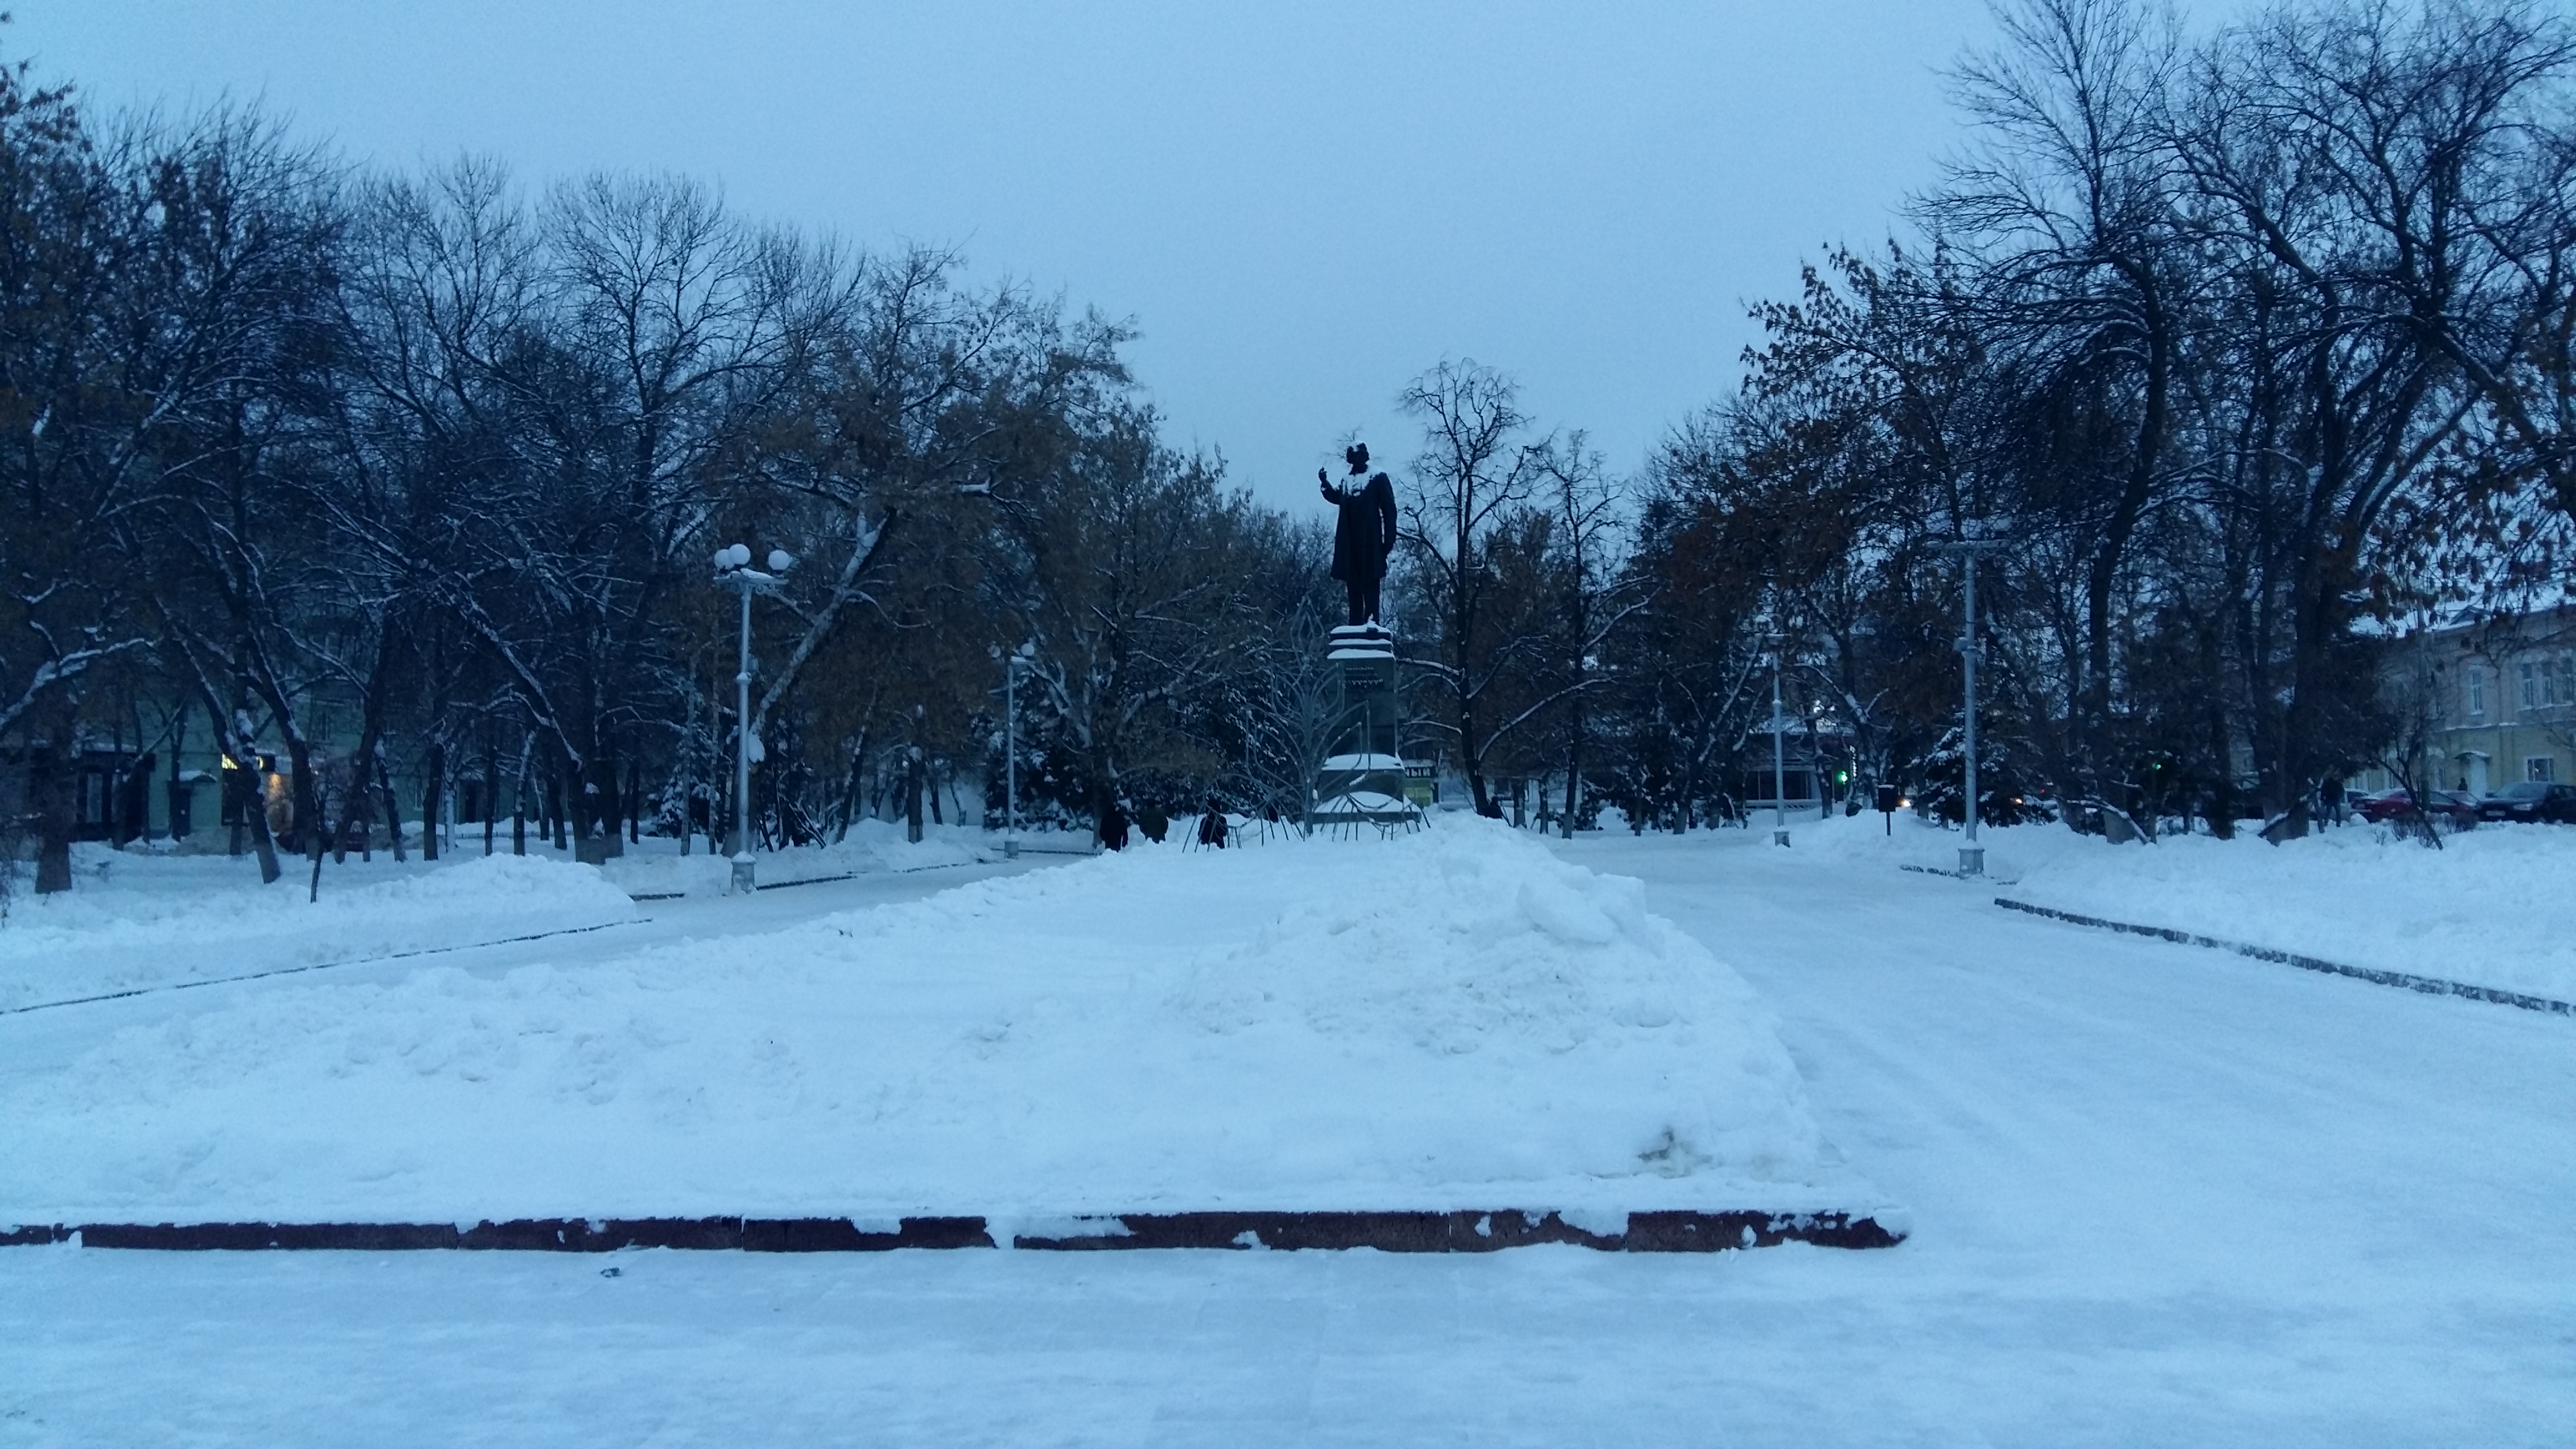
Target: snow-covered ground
(2494, 906)
(2161, 1196)
(1454, 1020)
(143, 918)
(871, 845)
(136, 920)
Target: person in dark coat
(1364, 535)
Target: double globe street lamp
(734, 570)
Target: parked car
(2455, 808)
(2531, 800)
(2458, 806)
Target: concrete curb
(1393, 1232)
(2428, 985)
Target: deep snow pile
(135, 920)
(1450, 1019)
(2494, 906)
(870, 846)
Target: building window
(2565, 693)
(2531, 685)
(2477, 693)
(2539, 767)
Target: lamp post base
(742, 885)
(1010, 847)
(1972, 860)
(1780, 837)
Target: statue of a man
(1365, 534)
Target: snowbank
(1446, 1020)
(134, 920)
(2495, 906)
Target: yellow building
(2484, 704)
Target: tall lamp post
(734, 571)
(1017, 660)
(1779, 751)
(1972, 856)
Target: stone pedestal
(1361, 780)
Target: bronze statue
(1365, 534)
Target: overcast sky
(1300, 206)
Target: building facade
(2484, 703)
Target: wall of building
(2500, 700)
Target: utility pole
(734, 570)
(1972, 856)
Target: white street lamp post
(1972, 856)
(734, 570)
(1011, 666)
(1779, 642)
(1779, 754)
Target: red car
(2455, 808)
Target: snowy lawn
(2494, 906)
(1454, 1019)
(655, 868)
(143, 918)
(135, 920)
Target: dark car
(2531, 800)
(2455, 808)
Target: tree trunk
(393, 802)
(1574, 775)
(362, 803)
(305, 826)
(854, 788)
(1471, 760)
(57, 819)
(610, 800)
(1104, 795)
(247, 784)
(912, 773)
(433, 798)
(354, 815)
(309, 829)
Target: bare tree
(1478, 468)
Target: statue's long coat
(1365, 533)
